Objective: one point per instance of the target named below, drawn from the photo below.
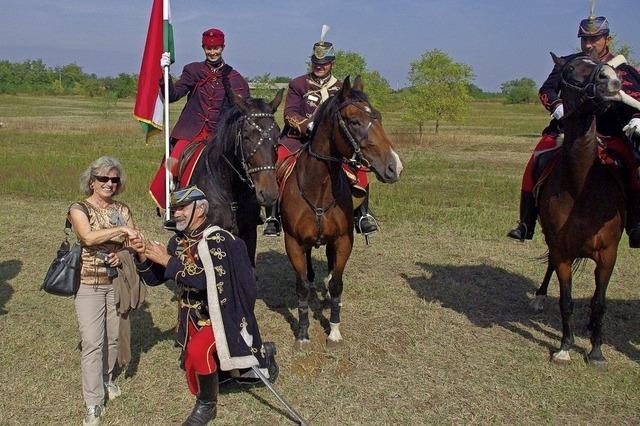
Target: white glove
(165, 59)
(310, 126)
(632, 128)
(558, 113)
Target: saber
(294, 413)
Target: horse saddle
(183, 160)
(546, 161)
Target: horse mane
(330, 107)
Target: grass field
(436, 321)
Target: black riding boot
(528, 216)
(205, 409)
(633, 219)
(272, 226)
(365, 223)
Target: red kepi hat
(213, 37)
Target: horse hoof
(537, 304)
(334, 343)
(597, 363)
(561, 357)
(302, 344)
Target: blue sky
(500, 39)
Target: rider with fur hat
(306, 93)
(616, 126)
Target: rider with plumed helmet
(616, 126)
(306, 93)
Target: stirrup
(374, 222)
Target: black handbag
(63, 276)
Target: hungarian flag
(148, 109)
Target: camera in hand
(111, 271)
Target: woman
(102, 225)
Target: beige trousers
(98, 322)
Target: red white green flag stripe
(148, 108)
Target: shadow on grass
(490, 296)
(9, 269)
(144, 336)
(277, 288)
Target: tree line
(440, 88)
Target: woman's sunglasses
(105, 179)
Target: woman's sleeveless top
(94, 270)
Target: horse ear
(276, 101)
(557, 60)
(239, 102)
(346, 87)
(358, 84)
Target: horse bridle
(589, 88)
(357, 158)
(265, 135)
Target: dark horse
(317, 208)
(237, 170)
(582, 203)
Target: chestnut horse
(316, 203)
(237, 170)
(582, 202)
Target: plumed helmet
(187, 195)
(323, 51)
(213, 37)
(593, 26)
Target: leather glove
(633, 128)
(165, 59)
(558, 113)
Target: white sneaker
(93, 415)
(113, 391)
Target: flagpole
(168, 179)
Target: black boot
(633, 219)
(365, 223)
(205, 409)
(270, 355)
(528, 216)
(272, 226)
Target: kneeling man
(217, 326)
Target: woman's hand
(157, 253)
(113, 260)
(139, 245)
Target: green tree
(439, 89)
(519, 91)
(375, 85)
(621, 48)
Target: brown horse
(317, 208)
(582, 203)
